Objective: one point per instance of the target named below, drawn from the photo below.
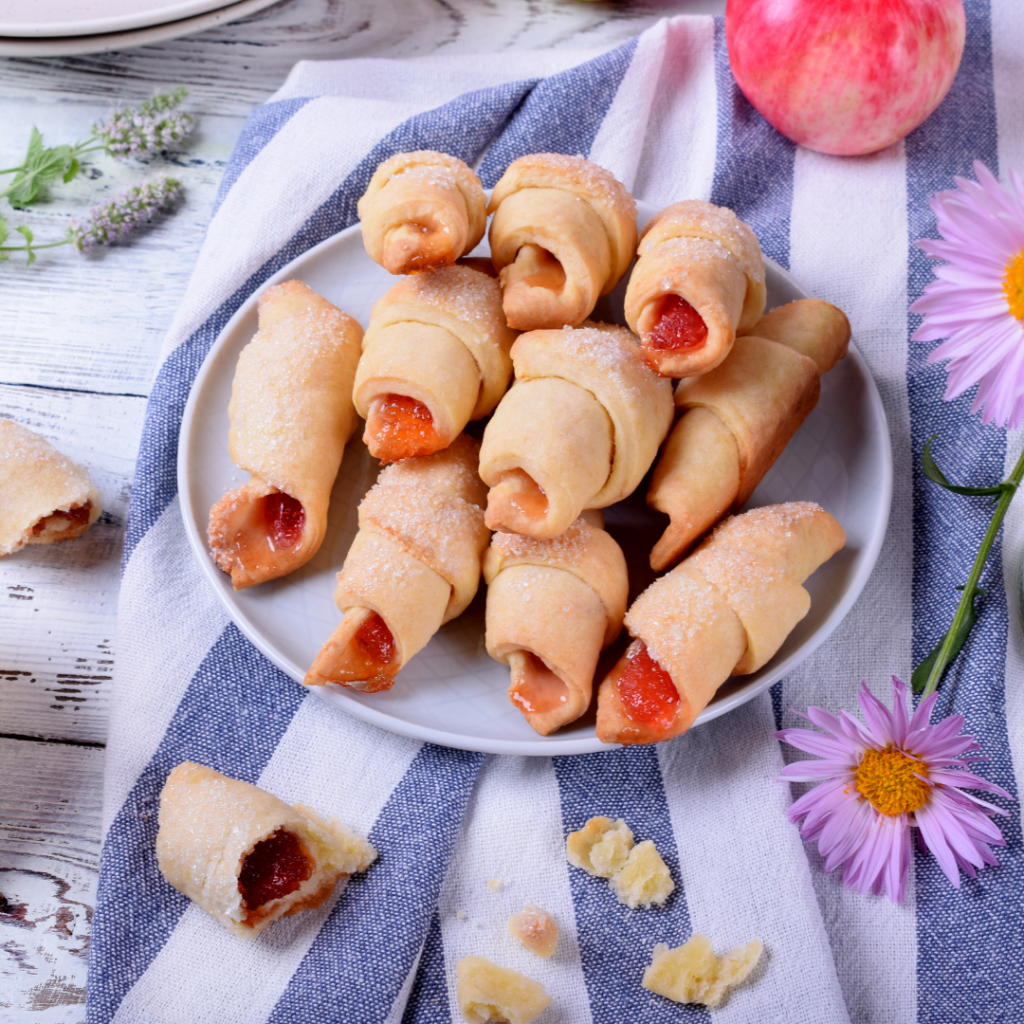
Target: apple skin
(845, 77)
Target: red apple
(845, 76)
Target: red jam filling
(374, 645)
(276, 867)
(284, 517)
(646, 690)
(679, 326)
(403, 429)
(77, 516)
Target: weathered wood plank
(95, 322)
(50, 805)
(58, 602)
(235, 66)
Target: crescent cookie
(435, 356)
(724, 611)
(579, 428)
(291, 414)
(420, 211)
(737, 419)
(552, 607)
(563, 234)
(44, 496)
(413, 566)
(699, 282)
(246, 857)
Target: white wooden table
(78, 346)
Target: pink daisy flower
(976, 302)
(879, 780)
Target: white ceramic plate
(90, 17)
(452, 693)
(103, 42)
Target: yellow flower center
(1013, 286)
(888, 780)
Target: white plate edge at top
(79, 45)
(543, 746)
(67, 24)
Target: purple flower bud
(123, 214)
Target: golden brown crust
(440, 338)
(209, 823)
(725, 610)
(422, 211)
(291, 414)
(738, 418)
(44, 496)
(416, 559)
(561, 601)
(707, 256)
(563, 234)
(583, 423)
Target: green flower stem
(33, 248)
(944, 656)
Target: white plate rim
(546, 746)
(163, 12)
(74, 46)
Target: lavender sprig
(127, 132)
(141, 133)
(117, 218)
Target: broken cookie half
(246, 857)
(44, 496)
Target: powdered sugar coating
(675, 616)
(605, 361)
(697, 219)
(590, 182)
(575, 173)
(429, 166)
(468, 295)
(285, 393)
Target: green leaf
(3, 230)
(40, 167)
(26, 233)
(932, 471)
(920, 677)
(73, 168)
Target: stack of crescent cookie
(576, 415)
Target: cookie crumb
(692, 973)
(536, 929)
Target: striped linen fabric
(662, 113)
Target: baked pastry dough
(246, 857)
(413, 566)
(552, 607)
(698, 282)
(601, 847)
(536, 929)
(578, 429)
(487, 992)
(604, 848)
(44, 496)
(691, 973)
(291, 415)
(738, 418)
(435, 356)
(563, 234)
(420, 211)
(724, 611)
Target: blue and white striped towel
(664, 115)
